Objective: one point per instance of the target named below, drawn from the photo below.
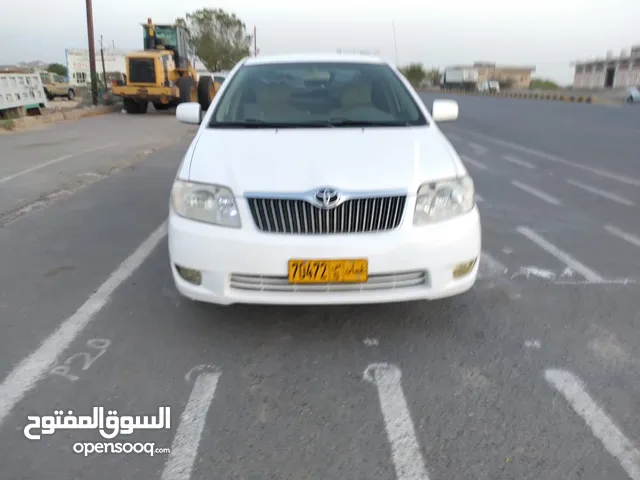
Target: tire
(48, 95)
(206, 92)
(71, 94)
(133, 107)
(161, 106)
(630, 100)
(186, 85)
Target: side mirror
(444, 110)
(190, 112)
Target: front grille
(142, 70)
(358, 215)
(385, 281)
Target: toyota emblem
(327, 197)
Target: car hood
(294, 160)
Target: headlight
(442, 200)
(213, 204)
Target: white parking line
(479, 198)
(490, 267)
(473, 162)
(564, 257)
(517, 161)
(554, 158)
(405, 452)
(613, 440)
(30, 370)
(54, 161)
(184, 448)
(453, 136)
(537, 193)
(602, 193)
(632, 239)
(478, 148)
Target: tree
(414, 72)
(58, 69)
(219, 39)
(543, 84)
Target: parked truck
(457, 78)
(21, 92)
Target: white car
(321, 179)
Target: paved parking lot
(531, 375)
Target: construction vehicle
(162, 73)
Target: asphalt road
(532, 375)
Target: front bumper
(239, 265)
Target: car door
(59, 86)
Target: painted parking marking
(479, 149)
(536, 193)
(554, 158)
(602, 193)
(602, 427)
(564, 257)
(490, 267)
(184, 448)
(33, 368)
(405, 452)
(518, 161)
(479, 198)
(54, 161)
(632, 239)
(473, 162)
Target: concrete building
(519, 77)
(78, 63)
(610, 71)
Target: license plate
(328, 271)
(143, 91)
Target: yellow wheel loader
(162, 73)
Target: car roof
(313, 57)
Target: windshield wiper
(345, 122)
(257, 123)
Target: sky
(547, 34)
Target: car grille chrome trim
(289, 215)
(271, 283)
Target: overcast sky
(546, 33)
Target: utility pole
(255, 41)
(92, 54)
(395, 43)
(104, 69)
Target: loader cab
(167, 37)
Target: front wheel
(188, 90)
(71, 94)
(630, 99)
(133, 107)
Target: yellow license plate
(328, 271)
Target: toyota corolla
(321, 179)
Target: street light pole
(92, 54)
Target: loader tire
(206, 91)
(134, 107)
(188, 91)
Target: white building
(78, 63)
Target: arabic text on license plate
(328, 271)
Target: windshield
(298, 95)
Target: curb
(532, 96)
(25, 123)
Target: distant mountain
(24, 66)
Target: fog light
(463, 269)
(190, 275)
